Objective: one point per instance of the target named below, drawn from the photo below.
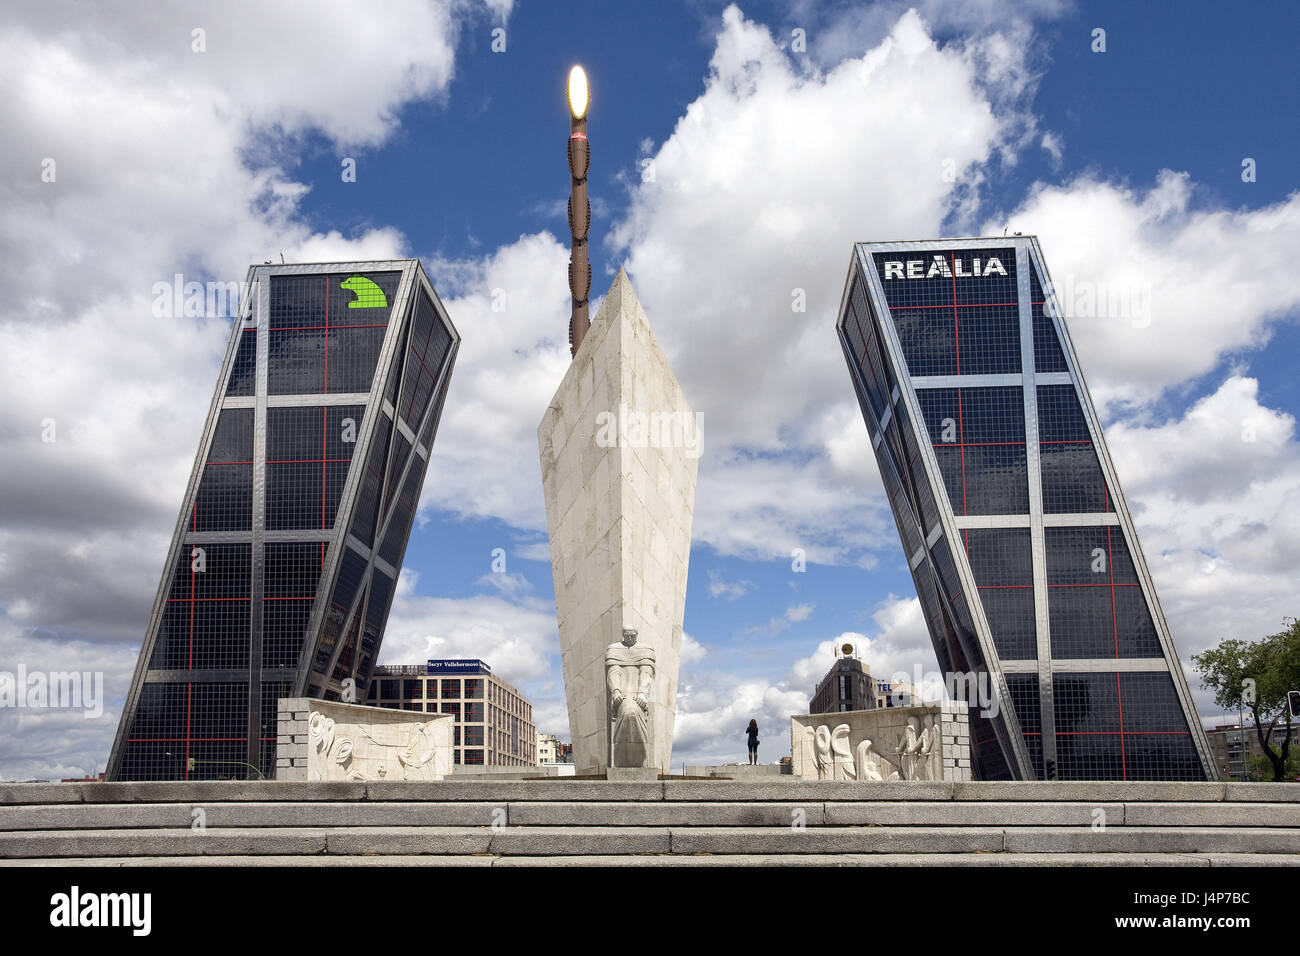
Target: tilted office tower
(295, 520)
(1022, 550)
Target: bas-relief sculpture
(403, 751)
(915, 753)
(629, 677)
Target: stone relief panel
(928, 742)
(334, 741)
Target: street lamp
(579, 207)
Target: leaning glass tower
(291, 534)
(1024, 555)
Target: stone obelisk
(619, 452)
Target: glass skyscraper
(282, 568)
(1024, 555)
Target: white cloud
(505, 582)
(692, 650)
(515, 637)
(1159, 289)
(719, 586)
(512, 310)
(796, 158)
(165, 161)
(713, 706)
(1051, 142)
(1218, 514)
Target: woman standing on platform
(752, 732)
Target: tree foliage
(1256, 676)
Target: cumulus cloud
(512, 307)
(137, 148)
(1156, 289)
(516, 637)
(713, 706)
(747, 314)
(719, 586)
(1215, 493)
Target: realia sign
(943, 267)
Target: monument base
(632, 774)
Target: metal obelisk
(619, 452)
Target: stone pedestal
(322, 740)
(619, 453)
(633, 774)
(925, 742)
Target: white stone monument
(619, 450)
(329, 740)
(923, 742)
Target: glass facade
(1022, 552)
(296, 519)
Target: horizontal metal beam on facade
(1071, 520)
(1088, 665)
(1009, 380)
(212, 675)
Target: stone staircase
(480, 822)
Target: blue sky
(767, 164)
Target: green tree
(1261, 768)
(1256, 677)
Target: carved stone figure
(909, 749)
(822, 758)
(841, 755)
(630, 675)
(872, 766)
(931, 764)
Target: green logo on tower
(369, 295)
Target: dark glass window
(1095, 601)
(1023, 689)
(326, 331)
(978, 435)
(1072, 478)
(243, 373)
(1002, 563)
(224, 501)
(429, 345)
(1048, 354)
(956, 312)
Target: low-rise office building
(494, 722)
(1235, 748)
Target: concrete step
(750, 859)
(478, 822)
(657, 813)
(623, 840)
(562, 790)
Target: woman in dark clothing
(752, 732)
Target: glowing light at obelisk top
(579, 207)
